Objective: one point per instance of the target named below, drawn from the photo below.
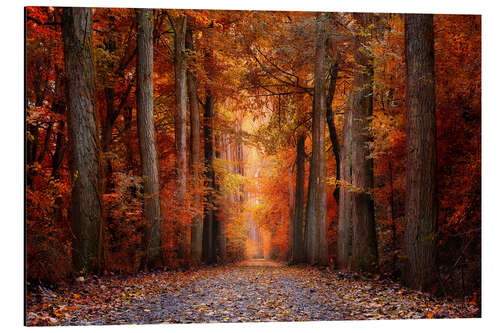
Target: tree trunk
(33, 132)
(209, 223)
(107, 130)
(316, 242)
(331, 125)
(291, 209)
(364, 242)
(298, 214)
(344, 231)
(195, 161)
(147, 137)
(392, 216)
(219, 239)
(421, 201)
(127, 139)
(86, 209)
(58, 156)
(180, 126)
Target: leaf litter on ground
(252, 291)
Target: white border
(12, 84)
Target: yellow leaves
(349, 186)
(263, 291)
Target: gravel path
(251, 291)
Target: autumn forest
(216, 165)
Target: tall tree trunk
(316, 242)
(180, 125)
(58, 156)
(220, 240)
(127, 138)
(344, 231)
(364, 242)
(209, 223)
(298, 214)
(291, 210)
(112, 113)
(86, 209)
(195, 161)
(60, 109)
(421, 201)
(46, 141)
(31, 149)
(331, 124)
(33, 131)
(392, 215)
(147, 137)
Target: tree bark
(147, 137)
(86, 209)
(344, 231)
(298, 213)
(60, 108)
(291, 210)
(421, 201)
(220, 240)
(33, 130)
(316, 242)
(209, 223)
(195, 161)
(364, 242)
(180, 125)
(58, 156)
(331, 125)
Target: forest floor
(251, 291)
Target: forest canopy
(168, 139)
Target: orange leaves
(255, 290)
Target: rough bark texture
(298, 255)
(331, 125)
(209, 222)
(59, 151)
(291, 209)
(180, 124)
(344, 231)
(195, 161)
(220, 239)
(364, 243)
(316, 242)
(147, 137)
(59, 108)
(421, 201)
(86, 210)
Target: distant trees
(86, 205)
(147, 136)
(421, 200)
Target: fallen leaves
(235, 293)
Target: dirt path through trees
(255, 290)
